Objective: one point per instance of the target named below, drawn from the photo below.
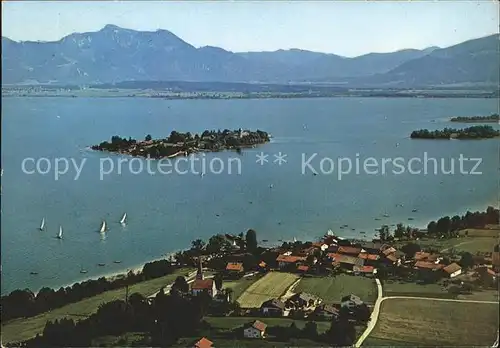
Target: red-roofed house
(257, 329)
(288, 260)
(234, 267)
(303, 268)
(366, 256)
(348, 250)
(366, 270)
(204, 285)
(203, 343)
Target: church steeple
(199, 273)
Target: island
(183, 144)
(474, 132)
(493, 118)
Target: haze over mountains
(115, 54)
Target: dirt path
(289, 292)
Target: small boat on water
(42, 225)
(33, 273)
(353, 229)
(410, 218)
(342, 227)
(101, 264)
(60, 234)
(103, 227)
(124, 217)
(83, 271)
(386, 215)
(265, 240)
(117, 261)
(362, 232)
(345, 225)
(414, 210)
(377, 218)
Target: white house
(204, 285)
(257, 329)
(453, 270)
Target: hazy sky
(346, 28)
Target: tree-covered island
(494, 118)
(474, 132)
(179, 144)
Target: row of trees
(448, 226)
(24, 303)
(474, 132)
(445, 226)
(492, 117)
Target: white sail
(124, 217)
(60, 234)
(42, 225)
(103, 227)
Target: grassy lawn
(332, 289)
(470, 244)
(480, 232)
(129, 339)
(481, 295)
(23, 329)
(231, 323)
(239, 286)
(272, 285)
(435, 323)
(396, 288)
(243, 343)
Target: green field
(480, 232)
(272, 285)
(435, 323)
(129, 339)
(332, 289)
(396, 288)
(231, 323)
(239, 286)
(469, 244)
(23, 329)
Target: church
(203, 285)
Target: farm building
(273, 307)
(256, 329)
(452, 270)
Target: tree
(148, 137)
(251, 240)
(197, 245)
(400, 231)
(410, 249)
(216, 244)
(467, 260)
(443, 225)
(432, 227)
(384, 233)
(218, 281)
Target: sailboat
(60, 234)
(42, 225)
(124, 217)
(103, 227)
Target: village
(404, 287)
(336, 279)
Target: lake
(167, 211)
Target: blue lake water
(166, 212)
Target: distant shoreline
(245, 96)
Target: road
(373, 316)
(380, 299)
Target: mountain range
(115, 54)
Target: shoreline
(269, 244)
